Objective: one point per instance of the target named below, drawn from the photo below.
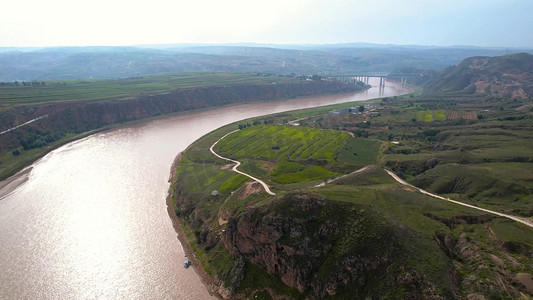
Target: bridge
(365, 77)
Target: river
(89, 220)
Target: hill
(340, 227)
(504, 76)
(362, 234)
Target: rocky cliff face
(502, 76)
(79, 117)
(324, 248)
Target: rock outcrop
(324, 248)
(501, 76)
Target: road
(238, 163)
(514, 218)
(398, 179)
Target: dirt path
(238, 163)
(514, 218)
(337, 178)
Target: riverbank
(19, 172)
(213, 286)
(113, 177)
(78, 117)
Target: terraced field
(273, 142)
(121, 89)
(299, 154)
(431, 115)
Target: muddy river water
(89, 220)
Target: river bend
(89, 220)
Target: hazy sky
(504, 23)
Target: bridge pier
(365, 78)
(381, 81)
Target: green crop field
(299, 153)
(285, 156)
(121, 89)
(275, 142)
(360, 152)
(430, 115)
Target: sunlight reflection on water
(91, 221)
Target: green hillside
(363, 233)
(341, 227)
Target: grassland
(462, 147)
(51, 92)
(469, 149)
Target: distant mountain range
(71, 63)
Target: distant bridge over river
(365, 77)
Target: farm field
(448, 136)
(13, 95)
(297, 154)
(430, 115)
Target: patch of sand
(226, 166)
(409, 189)
(222, 222)
(12, 183)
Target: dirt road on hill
(238, 163)
(514, 218)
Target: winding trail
(514, 218)
(238, 163)
(398, 179)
